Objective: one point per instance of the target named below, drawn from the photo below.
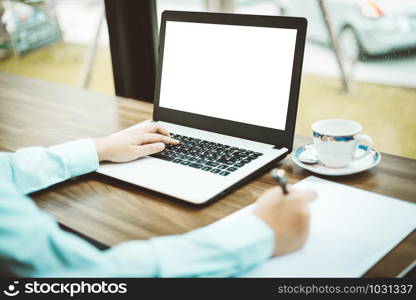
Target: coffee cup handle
(363, 142)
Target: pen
(279, 176)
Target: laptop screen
(232, 72)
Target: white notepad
(351, 230)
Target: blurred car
(363, 27)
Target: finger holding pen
(287, 215)
(279, 175)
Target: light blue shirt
(33, 245)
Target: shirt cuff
(225, 248)
(79, 156)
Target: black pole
(132, 28)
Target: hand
(287, 215)
(130, 144)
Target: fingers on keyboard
(206, 156)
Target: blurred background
(360, 57)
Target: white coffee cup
(336, 142)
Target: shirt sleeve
(35, 168)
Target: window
(63, 41)
(376, 41)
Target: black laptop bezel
(279, 138)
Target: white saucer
(365, 163)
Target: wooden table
(110, 211)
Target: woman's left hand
(130, 144)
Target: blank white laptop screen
(237, 73)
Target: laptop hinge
(289, 149)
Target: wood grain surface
(35, 113)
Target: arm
(35, 168)
(32, 245)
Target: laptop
(227, 87)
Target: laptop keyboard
(207, 156)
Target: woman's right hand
(287, 215)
